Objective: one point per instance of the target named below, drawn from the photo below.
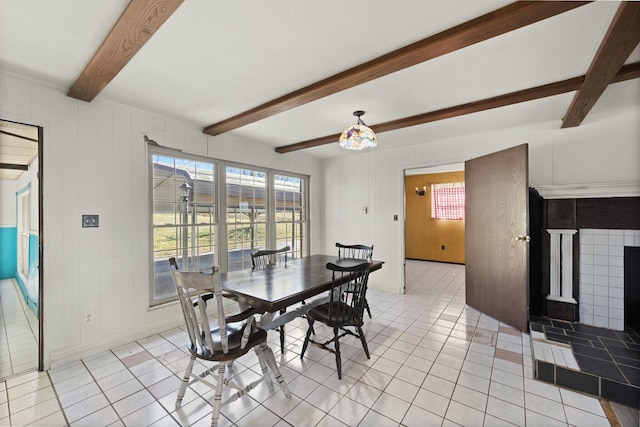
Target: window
(290, 217)
(207, 212)
(448, 201)
(184, 219)
(246, 215)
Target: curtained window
(447, 201)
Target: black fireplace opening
(632, 288)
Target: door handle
(523, 238)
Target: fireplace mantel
(581, 191)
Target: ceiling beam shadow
(501, 21)
(139, 21)
(15, 135)
(621, 38)
(627, 72)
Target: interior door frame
(40, 196)
(40, 251)
(433, 168)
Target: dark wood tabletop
(276, 287)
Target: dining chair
(354, 251)
(344, 309)
(222, 341)
(358, 252)
(264, 258)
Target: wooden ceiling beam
(139, 21)
(13, 166)
(627, 72)
(501, 21)
(621, 38)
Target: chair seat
(347, 315)
(234, 337)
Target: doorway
(434, 214)
(496, 234)
(21, 347)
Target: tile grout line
(55, 391)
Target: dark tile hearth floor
(608, 361)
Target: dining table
(275, 289)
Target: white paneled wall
(95, 162)
(602, 275)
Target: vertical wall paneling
(123, 141)
(62, 269)
(89, 239)
(109, 201)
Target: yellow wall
(425, 236)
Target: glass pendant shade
(358, 136)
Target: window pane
(246, 215)
(289, 193)
(184, 218)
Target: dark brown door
(497, 225)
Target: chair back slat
(192, 287)
(355, 251)
(266, 257)
(348, 307)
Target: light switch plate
(90, 221)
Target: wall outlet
(88, 318)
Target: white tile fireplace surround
(602, 275)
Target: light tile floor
(434, 362)
(18, 332)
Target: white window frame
(220, 209)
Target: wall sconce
(421, 192)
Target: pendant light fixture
(358, 136)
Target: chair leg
(366, 305)
(271, 361)
(337, 345)
(263, 365)
(281, 329)
(185, 381)
(307, 338)
(215, 413)
(364, 342)
(281, 339)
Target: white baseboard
(60, 358)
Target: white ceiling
(18, 146)
(212, 60)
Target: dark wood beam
(14, 166)
(627, 72)
(15, 135)
(139, 21)
(622, 37)
(501, 21)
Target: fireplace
(632, 287)
(608, 298)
